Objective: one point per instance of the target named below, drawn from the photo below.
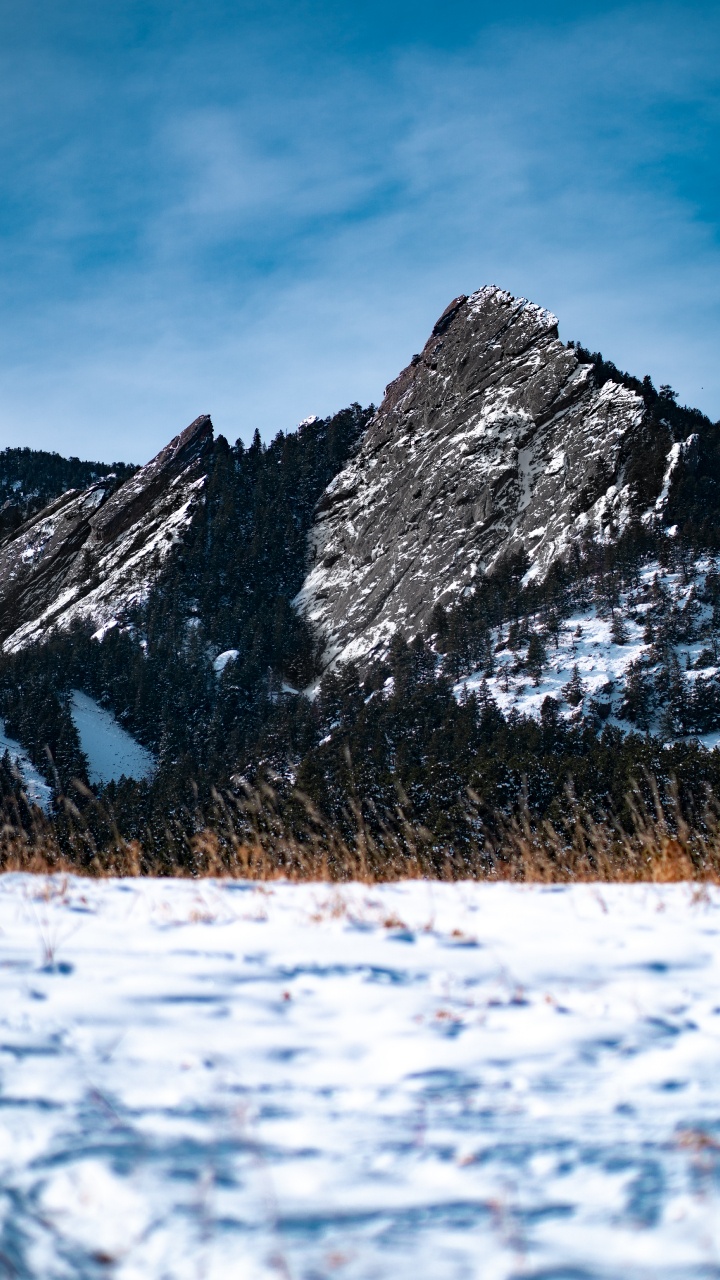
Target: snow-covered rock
(494, 440)
(90, 555)
(222, 660)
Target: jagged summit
(492, 440)
(91, 554)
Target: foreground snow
(428, 1081)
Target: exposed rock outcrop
(494, 439)
(89, 556)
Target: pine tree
(536, 657)
(554, 628)
(618, 629)
(637, 699)
(574, 691)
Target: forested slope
(31, 478)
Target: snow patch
(222, 660)
(37, 790)
(111, 751)
(585, 641)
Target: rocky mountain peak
(91, 554)
(137, 496)
(495, 439)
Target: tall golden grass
(250, 836)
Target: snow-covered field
(110, 750)
(230, 1081)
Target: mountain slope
(496, 440)
(92, 554)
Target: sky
(258, 209)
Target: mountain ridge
(89, 554)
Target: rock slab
(494, 440)
(91, 555)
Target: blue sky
(258, 210)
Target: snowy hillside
(237, 1081)
(651, 662)
(32, 478)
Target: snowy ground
(231, 1082)
(110, 750)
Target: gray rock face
(89, 556)
(495, 439)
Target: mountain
(94, 551)
(499, 589)
(495, 441)
(131, 597)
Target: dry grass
(250, 837)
